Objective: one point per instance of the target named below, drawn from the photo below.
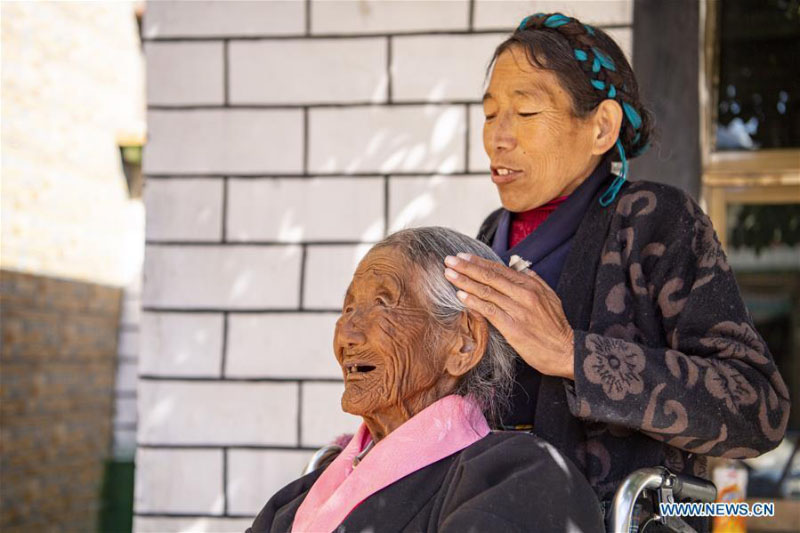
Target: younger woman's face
(538, 149)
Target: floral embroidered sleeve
(674, 353)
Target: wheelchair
(645, 488)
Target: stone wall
(72, 93)
(283, 139)
(59, 341)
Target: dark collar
(560, 226)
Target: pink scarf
(443, 428)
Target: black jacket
(512, 482)
(668, 366)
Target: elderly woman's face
(538, 149)
(391, 363)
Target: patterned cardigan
(668, 366)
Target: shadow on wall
(392, 148)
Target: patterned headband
(597, 66)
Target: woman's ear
(470, 345)
(607, 119)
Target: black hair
(591, 68)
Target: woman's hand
(523, 308)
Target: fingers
(537, 279)
(497, 316)
(495, 275)
(485, 293)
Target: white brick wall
(216, 412)
(478, 160)
(319, 71)
(292, 210)
(233, 277)
(128, 346)
(328, 272)
(507, 14)
(203, 18)
(125, 411)
(322, 415)
(284, 138)
(149, 524)
(387, 139)
(441, 68)
(126, 376)
(185, 73)
(285, 345)
(184, 210)
(458, 202)
(128, 343)
(624, 38)
(387, 16)
(232, 141)
(254, 474)
(181, 344)
(179, 481)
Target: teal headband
(599, 60)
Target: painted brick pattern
(292, 210)
(181, 344)
(287, 346)
(223, 141)
(441, 68)
(392, 16)
(198, 413)
(238, 18)
(328, 271)
(319, 71)
(204, 524)
(164, 476)
(338, 121)
(185, 73)
(243, 277)
(277, 468)
(128, 345)
(387, 139)
(186, 210)
(505, 14)
(322, 418)
(458, 201)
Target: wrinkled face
(538, 149)
(380, 339)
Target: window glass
(758, 92)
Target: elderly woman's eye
(347, 309)
(527, 114)
(380, 300)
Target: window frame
(770, 176)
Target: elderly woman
(635, 347)
(428, 376)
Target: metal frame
(666, 488)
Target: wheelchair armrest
(693, 488)
(621, 513)
(660, 480)
(322, 457)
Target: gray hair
(490, 381)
